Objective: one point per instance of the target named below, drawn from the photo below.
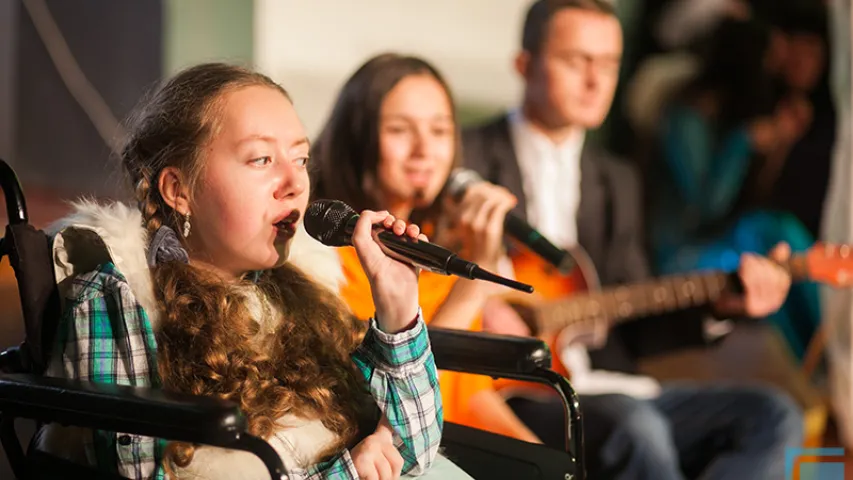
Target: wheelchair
(26, 393)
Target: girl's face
(254, 186)
(417, 141)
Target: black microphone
(331, 222)
(461, 178)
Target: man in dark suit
(576, 194)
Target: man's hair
(541, 11)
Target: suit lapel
(508, 173)
(591, 214)
(591, 211)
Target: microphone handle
(425, 255)
(432, 257)
(514, 226)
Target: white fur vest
(96, 233)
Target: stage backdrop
(312, 47)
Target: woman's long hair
(209, 341)
(346, 154)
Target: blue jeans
(689, 431)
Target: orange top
(549, 284)
(456, 388)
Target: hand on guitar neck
(561, 302)
(765, 283)
(561, 313)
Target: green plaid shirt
(105, 336)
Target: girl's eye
(442, 131)
(301, 161)
(396, 129)
(262, 161)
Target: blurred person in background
(799, 184)
(579, 195)
(723, 141)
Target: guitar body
(549, 285)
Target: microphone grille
(326, 221)
(460, 179)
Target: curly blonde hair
(208, 339)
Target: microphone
(331, 222)
(459, 181)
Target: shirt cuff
(397, 351)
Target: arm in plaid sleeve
(105, 337)
(400, 371)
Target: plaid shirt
(105, 336)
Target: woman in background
(390, 145)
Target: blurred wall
(8, 46)
(313, 47)
(196, 31)
(117, 45)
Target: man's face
(572, 80)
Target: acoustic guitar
(570, 307)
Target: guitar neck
(652, 297)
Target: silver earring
(187, 225)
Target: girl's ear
(174, 190)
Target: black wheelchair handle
(16, 206)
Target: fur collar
(94, 233)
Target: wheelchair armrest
(504, 356)
(488, 353)
(134, 410)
